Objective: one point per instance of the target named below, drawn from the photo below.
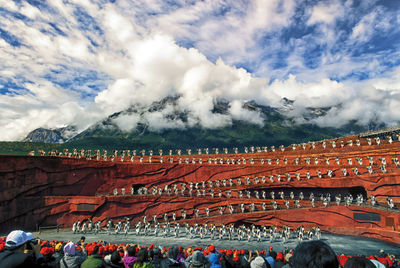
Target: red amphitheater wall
(44, 190)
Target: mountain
(59, 135)
(277, 130)
(115, 133)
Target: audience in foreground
(20, 249)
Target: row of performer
(243, 160)
(230, 232)
(175, 189)
(89, 225)
(326, 199)
(82, 153)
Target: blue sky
(75, 62)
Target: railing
(40, 228)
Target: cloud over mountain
(77, 62)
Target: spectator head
(173, 253)
(258, 262)
(189, 251)
(198, 259)
(83, 239)
(17, 239)
(214, 259)
(132, 251)
(115, 258)
(156, 251)
(211, 248)
(279, 257)
(58, 247)
(69, 249)
(314, 254)
(142, 256)
(95, 250)
(359, 262)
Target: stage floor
(349, 245)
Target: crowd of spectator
(21, 249)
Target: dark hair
(173, 252)
(157, 253)
(95, 250)
(142, 256)
(359, 262)
(131, 251)
(151, 254)
(83, 238)
(314, 254)
(115, 257)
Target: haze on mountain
(130, 129)
(100, 69)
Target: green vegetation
(240, 134)
(23, 148)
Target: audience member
(313, 254)
(21, 251)
(71, 258)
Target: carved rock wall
(45, 190)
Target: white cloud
(138, 59)
(326, 12)
(127, 122)
(239, 113)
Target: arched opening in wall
(354, 191)
(135, 187)
(239, 223)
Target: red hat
(211, 248)
(279, 256)
(342, 260)
(270, 248)
(229, 252)
(101, 250)
(180, 249)
(151, 246)
(45, 251)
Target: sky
(76, 62)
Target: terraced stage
(235, 188)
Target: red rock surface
(45, 190)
